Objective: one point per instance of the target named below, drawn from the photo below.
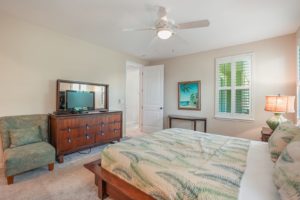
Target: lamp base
(275, 120)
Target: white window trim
(298, 81)
(233, 115)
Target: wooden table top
(186, 117)
(93, 166)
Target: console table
(188, 118)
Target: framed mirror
(76, 96)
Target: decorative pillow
(20, 137)
(286, 174)
(281, 137)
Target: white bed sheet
(257, 181)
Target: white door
(153, 98)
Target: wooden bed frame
(110, 185)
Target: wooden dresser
(74, 132)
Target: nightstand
(265, 134)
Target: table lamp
(278, 105)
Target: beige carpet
(68, 181)
(134, 132)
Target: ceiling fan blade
(151, 43)
(181, 39)
(194, 24)
(139, 29)
(162, 12)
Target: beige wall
(32, 58)
(274, 72)
(298, 35)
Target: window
(234, 87)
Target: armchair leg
(10, 180)
(51, 166)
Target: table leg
(205, 126)
(195, 125)
(96, 179)
(101, 189)
(170, 122)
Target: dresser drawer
(89, 139)
(70, 132)
(114, 118)
(114, 122)
(65, 124)
(115, 133)
(67, 144)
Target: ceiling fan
(165, 27)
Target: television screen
(77, 100)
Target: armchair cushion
(23, 136)
(27, 157)
(25, 121)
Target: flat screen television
(78, 100)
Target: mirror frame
(59, 81)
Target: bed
(184, 164)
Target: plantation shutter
(224, 83)
(242, 85)
(233, 87)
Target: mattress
(184, 164)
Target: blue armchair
(25, 144)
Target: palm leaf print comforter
(180, 164)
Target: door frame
(140, 67)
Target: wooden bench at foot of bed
(110, 185)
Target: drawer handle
(101, 133)
(69, 130)
(87, 127)
(87, 136)
(115, 130)
(69, 140)
(102, 124)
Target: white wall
(274, 72)
(33, 58)
(132, 96)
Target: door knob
(161, 108)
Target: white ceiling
(101, 22)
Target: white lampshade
(164, 34)
(280, 104)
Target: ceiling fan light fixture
(164, 34)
